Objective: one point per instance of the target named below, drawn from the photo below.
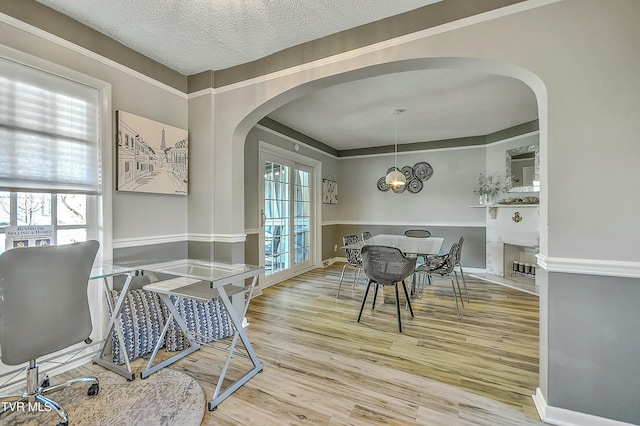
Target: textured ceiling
(439, 104)
(198, 35)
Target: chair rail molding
(120, 243)
(610, 268)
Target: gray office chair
(386, 266)
(44, 308)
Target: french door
(287, 237)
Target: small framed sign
(329, 191)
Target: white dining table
(408, 245)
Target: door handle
(263, 218)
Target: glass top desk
(206, 280)
(104, 271)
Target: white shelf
(492, 206)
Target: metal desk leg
(218, 397)
(193, 344)
(99, 359)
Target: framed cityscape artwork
(152, 156)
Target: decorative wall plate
(414, 185)
(422, 170)
(390, 169)
(382, 184)
(407, 171)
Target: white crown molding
(203, 92)
(513, 138)
(9, 20)
(563, 417)
(609, 268)
(290, 139)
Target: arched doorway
(299, 89)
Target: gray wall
(442, 206)
(594, 355)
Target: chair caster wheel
(93, 389)
(63, 424)
(46, 383)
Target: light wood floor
(322, 367)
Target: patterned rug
(165, 398)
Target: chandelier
(395, 178)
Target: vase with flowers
(489, 186)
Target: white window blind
(49, 132)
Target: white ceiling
(198, 35)
(438, 104)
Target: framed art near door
(329, 191)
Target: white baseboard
(562, 417)
(329, 262)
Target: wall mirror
(523, 169)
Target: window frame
(99, 214)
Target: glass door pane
(277, 217)
(302, 217)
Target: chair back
(459, 251)
(446, 267)
(386, 265)
(417, 233)
(43, 299)
(366, 235)
(353, 255)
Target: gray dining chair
(44, 308)
(386, 266)
(354, 260)
(443, 267)
(434, 259)
(366, 235)
(458, 264)
(417, 233)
